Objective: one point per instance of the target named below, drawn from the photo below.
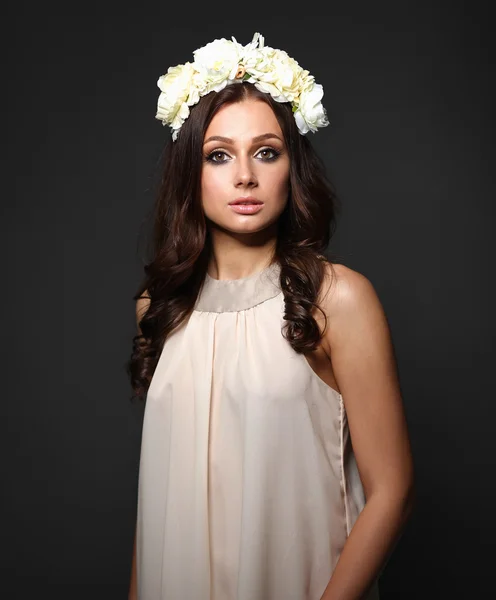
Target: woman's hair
(181, 245)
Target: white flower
(310, 114)
(217, 63)
(250, 54)
(177, 94)
(276, 73)
(223, 62)
(256, 42)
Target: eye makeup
(210, 157)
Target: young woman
(275, 460)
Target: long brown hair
(181, 246)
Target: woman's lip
(247, 209)
(245, 201)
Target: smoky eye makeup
(273, 152)
(265, 154)
(213, 156)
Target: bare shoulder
(349, 301)
(344, 288)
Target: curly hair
(181, 245)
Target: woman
(275, 459)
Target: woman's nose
(244, 175)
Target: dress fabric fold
(248, 485)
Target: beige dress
(248, 486)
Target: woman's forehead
(244, 120)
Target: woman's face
(244, 156)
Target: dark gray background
(410, 95)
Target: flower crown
(224, 62)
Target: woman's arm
(141, 307)
(361, 352)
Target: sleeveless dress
(248, 485)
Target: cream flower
(274, 72)
(224, 62)
(217, 63)
(176, 87)
(251, 53)
(310, 114)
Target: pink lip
(247, 209)
(247, 199)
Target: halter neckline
(228, 295)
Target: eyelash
(276, 154)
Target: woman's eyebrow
(258, 138)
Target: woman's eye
(266, 154)
(214, 156)
(269, 153)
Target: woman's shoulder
(343, 275)
(352, 309)
(345, 291)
